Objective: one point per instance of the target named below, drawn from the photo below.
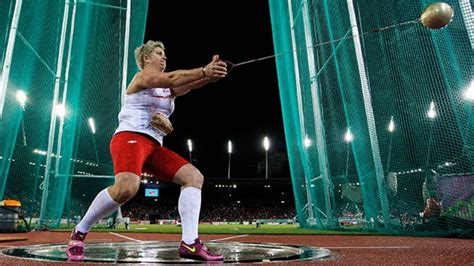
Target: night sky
(245, 106)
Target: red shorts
(137, 153)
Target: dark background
(245, 106)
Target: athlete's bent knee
(197, 179)
(189, 176)
(125, 187)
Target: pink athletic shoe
(75, 247)
(198, 251)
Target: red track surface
(346, 250)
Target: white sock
(189, 206)
(102, 206)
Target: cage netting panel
(378, 114)
(63, 64)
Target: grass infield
(238, 229)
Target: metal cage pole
(9, 54)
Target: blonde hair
(145, 50)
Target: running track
(346, 250)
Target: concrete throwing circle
(167, 252)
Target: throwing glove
(162, 123)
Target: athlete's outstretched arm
(179, 81)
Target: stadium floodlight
(432, 111)
(266, 146)
(348, 137)
(229, 151)
(391, 129)
(92, 128)
(391, 125)
(91, 124)
(190, 149)
(60, 110)
(307, 142)
(266, 143)
(229, 146)
(469, 92)
(40, 152)
(431, 115)
(21, 98)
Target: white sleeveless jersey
(139, 107)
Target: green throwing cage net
(378, 114)
(63, 62)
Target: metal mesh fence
(378, 114)
(63, 62)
